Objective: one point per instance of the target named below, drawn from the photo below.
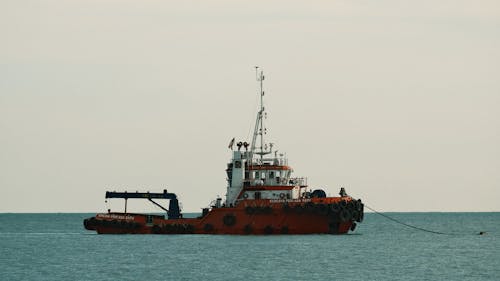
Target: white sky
(398, 101)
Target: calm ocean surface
(57, 247)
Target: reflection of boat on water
(262, 198)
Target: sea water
(57, 247)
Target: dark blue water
(56, 247)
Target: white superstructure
(251, 175)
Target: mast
(259, 122)
(262, 129)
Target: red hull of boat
(304, 216)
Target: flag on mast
(231, 144)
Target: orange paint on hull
(303, 216)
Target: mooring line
(402, 223)
(405, 224)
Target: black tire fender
(229, 220)
(345, 215)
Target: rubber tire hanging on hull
(345, 215)
(249, 210)
(267, 210)
(299, 209)
(247, 229)
(156, 229)
(284, 229)
(208, 227)
(268, 229)
(229, 220)
(353, 226)
(334, 207)
(321, 209)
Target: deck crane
(173, 207)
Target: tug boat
(262, 198)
